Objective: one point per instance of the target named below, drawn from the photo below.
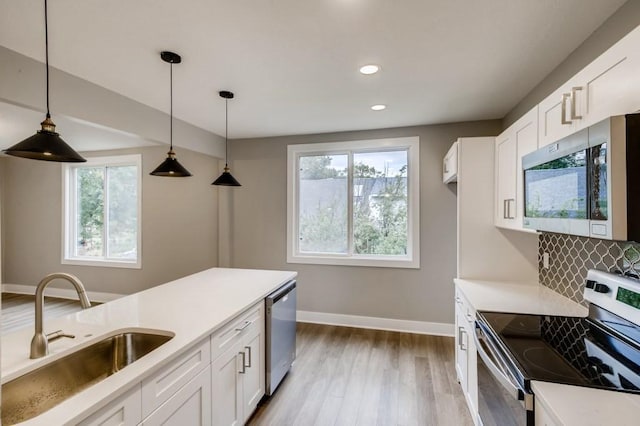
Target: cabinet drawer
(158, 388)
(244, 323)
(468, 313)
(123, 411)
(191, 405)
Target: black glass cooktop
(566, 350)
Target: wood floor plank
(18, 310)
(349, 376)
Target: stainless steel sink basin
(40, 390)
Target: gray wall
(179, 223)
(257, 229)
(617, 26)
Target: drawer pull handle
(245, 325)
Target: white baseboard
(63, 293)
(418, 327)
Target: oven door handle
(501, 375)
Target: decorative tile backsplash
(570, 257)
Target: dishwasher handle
(281, 292)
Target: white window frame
(69, 212)
(412, 258)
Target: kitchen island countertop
(192, 307)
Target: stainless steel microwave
(587, 183)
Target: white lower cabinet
(238, 374)
(191, 405)
(126, 410)
(466, 355)
(227, 388)
(193, 390)
(542, 415)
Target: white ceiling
(293, 64)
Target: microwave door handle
(563, 109)
(500, 375)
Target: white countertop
(191, 307)
(580, 406)
(569, 405)
(518, 298)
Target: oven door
(501, 399)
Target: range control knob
(590, 283)
(601, 288)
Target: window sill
(102, 263)
(388, 262)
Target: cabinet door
(555, 115)
(472, 368)
(191, 405)
(159, 387)
(542, 415)
(505, 179)
(253, 374)
(461, 349)
(227, 387)
(526, 136)
(608, 86)
(450, 165)
(123, 411)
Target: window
(354, 203)
(102, 212)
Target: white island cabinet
(215, 316)
(238, 370)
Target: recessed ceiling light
(378, 107)
(369, 69)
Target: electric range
(600, 351)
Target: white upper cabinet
(518, 140)
(610, 85)
(450, 165)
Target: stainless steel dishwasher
(281, 334)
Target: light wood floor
(349, 376)
(18, 310)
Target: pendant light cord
(46, 52)
(171, 107)
(226, 132)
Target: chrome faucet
(40, 342)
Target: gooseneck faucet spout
(40, 343)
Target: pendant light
(170, 166)
(46, 144)
(225, 179)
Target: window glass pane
(323, 215)
(90, 211)
(380, 203)
(123, 212)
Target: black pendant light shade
(46, 144)
(226, 179)
(170, 167)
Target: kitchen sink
(42, 389)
